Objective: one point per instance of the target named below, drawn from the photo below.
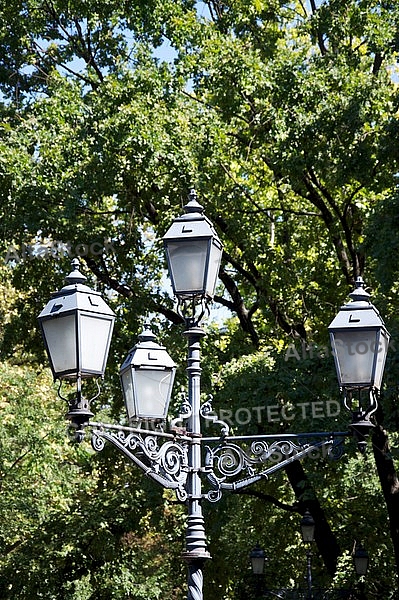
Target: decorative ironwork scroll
(230, 466)
(230, 462)
(166, 462)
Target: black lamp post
(360, 560)
(307, 532)
(77, 325)
(361, 564)
(258, 559)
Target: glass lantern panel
(380, 355)
(95, 337)
(213, 269)
(60, 336)
(127, 387)
(187, 261)
(361, 564)
(354, 354)
(307, 533)
(258, 565)
(152, 391)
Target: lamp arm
(167, 464)
(229, 460)
(373, 402)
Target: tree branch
(126, 291)
(243, 314)
(304, 493)
(268, 498)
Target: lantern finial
(147, 335)
(359, 294)
(75, 276)
(193, 206)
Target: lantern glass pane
(213, 269)
(307, 533)
(354, 355)
(187, 261)
(381, 354)
(258, 565)
(361, 561)
(152, 390)
(60, 336)
(127, 386)
(95, 337)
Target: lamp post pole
(76, 325)
(308, 527)
(196, 550)
(258, 559)
(309, 573)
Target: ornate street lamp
(359, 341)
(193, 252)
(147, 376)
(76, 325)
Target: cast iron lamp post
(361, 564)
(258, 559)
(307, 532)
(77, 324)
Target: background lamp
(258, 558)
(360, 560)
(307, 527)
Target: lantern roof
(147, 352)
(192, 223)
(363, 314)
(75, 296)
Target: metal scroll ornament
(229, 466)
(165, 463)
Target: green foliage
(83, 525)
(284, 117)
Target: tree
(282, 115)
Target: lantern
(147, 376)
(359, 341)
(258, 558)
(193, 252)
(307, 527)
(77, 325)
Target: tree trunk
(389, 484)
(304, 493)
